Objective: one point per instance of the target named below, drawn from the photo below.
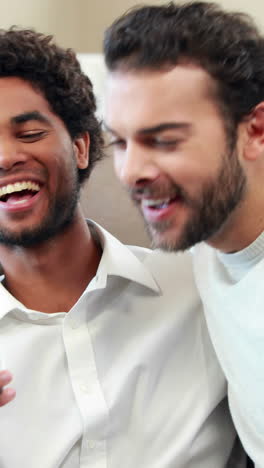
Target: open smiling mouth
(19, 192)
(159, 204)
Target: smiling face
(172, 153)
(38, 166)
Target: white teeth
(149, 202)
(18, 187)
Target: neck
(242, 227)
(52, 276)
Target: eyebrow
(28, 116)
(163, 127)
(157, 128)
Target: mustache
(39, 173)
(157, 192)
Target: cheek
(189, 173)
(62, 166)
(192, 162)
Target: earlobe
(254, 147)
(81, 148)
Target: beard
(61, 213)
(210, 210)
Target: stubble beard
(210, 211)
(61, 214)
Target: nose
(136, 166)
(10, 153)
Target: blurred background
(80, 24)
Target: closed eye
(162, 143)
(32, 136)
(166, 142)
(119, 143)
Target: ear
(254, 147)
(81, 148)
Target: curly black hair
(56, 73)
(227, 45)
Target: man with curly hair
(189, 147)
(108, 369)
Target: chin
(163, 241)
(172, 240)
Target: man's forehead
(21, 102)
(15, 89)
(181, 72)
(142, 102)
(130, 94)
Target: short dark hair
(56, 73)
(227, 45)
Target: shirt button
(96, 444)
(84, 387)
(91, 444)
(74, 324)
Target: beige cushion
(105, 201)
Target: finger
(5, 377)
(7, 395)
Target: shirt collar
(8, 302)
(117, 259)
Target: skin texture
(42, 244)
(170, 141)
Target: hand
(6, 394)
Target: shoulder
(172, 271)
(164, 262)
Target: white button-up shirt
(127, 378)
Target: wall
(58, 17)
(80, 23)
